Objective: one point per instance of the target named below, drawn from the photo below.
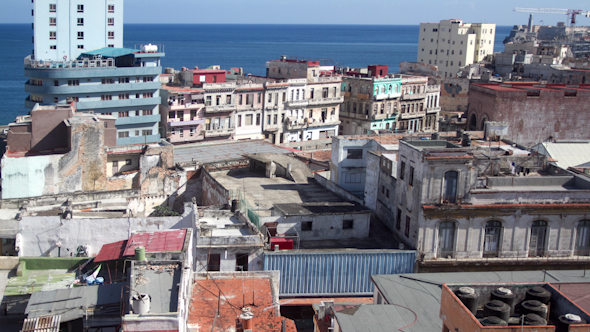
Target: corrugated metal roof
(568, 154)
(156, 241)
(111, 251)
(41, 324)
(71, 303)
(421, 292)
(109, 52)
(313, 273)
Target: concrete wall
(454, 95)
(213, 192)
(336, 189)
(326, 227)
(228, 258)
(42, 236)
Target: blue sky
(321, 11)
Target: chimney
(247, 318)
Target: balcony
(363, 96)
(384, 116)
(220, 109)
(328, 122)
(385, 96)
(297, 103)
(414, 115)
(182, 107)
(293, 123)
(432, 110)
(131, 120)
(413, 96)
(325, 101)
(219, 132)
(86, 88)
(351, 115)
(271, 127)
(185, 123)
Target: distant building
(452, 44)
(63, 29)
(182, 112)
(375, 100)
(535, 112)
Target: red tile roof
(235, 294)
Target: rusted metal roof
(163, 241)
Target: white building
(452, 44)
(64, 29)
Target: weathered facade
(535, 112)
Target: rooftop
(109, 52)
(319, 208)
(160, 280)
(377, 318)
(216, 305)
(162, 241)
(215, 152)
(567, 153)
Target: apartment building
(65, 29)
(376, 100)
(97, 73)
(182, 114)
(452, 44)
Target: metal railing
(245, 207)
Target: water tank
(497, 308)
(468, 296)
(140, 304)
(534, 307)
(534, 319)
(140, 253)
(435, 136)
(246, 317)
(234, 205)
(505, 295)
(564, 321)
(149, 48)
(466, 140)
(493, 321)
(538, 293)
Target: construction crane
(571, 13)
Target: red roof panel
(111, 251)
(156, 241)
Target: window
(106, 97)
(80, 34)
(147, 112)
(538, 237)
(80, 47)
(111, 34)
(52, 21)
(241, 262)
(148, 95)
(52, 35)
(80, 22)
(325, 93)
(239, 120)
(123, 96)
(111, 45)
(123, 79)
(354, 154)
(73, 82)
(213, 263)
(124, 114)
(411, 179)
(398, 221)
(583, 239)
(446, 239)
(402, 170)
(52, 8)
(148, 132)
(387, 193)
(127, 161)
(80, 8)
(171, 115)
(123, 134)
(258, 119)
(53, 47)
(306, 226)
(407, 230)
(249, 119)
(55, 100)
(108, 81)
(148, 78)
(348, 224)
(450, 191)
(111, 8)
(352, 177)
(111, 21)
(491, 242)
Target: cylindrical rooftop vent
(497, 308)
(534, 319)
(564, 321)
(505, 295)
(469, 298)
(538, 293)
(493, 321)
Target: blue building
(120, 82)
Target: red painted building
(201, 76)
(535, 112)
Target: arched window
(538, 237)
(473, 122)
(583, 239)
(446, 239)
(450, 191)
(376, 90)
(491, 243)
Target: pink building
(182, 114)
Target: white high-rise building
(452, 44)
(64, 29)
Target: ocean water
(245, 46)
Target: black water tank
(534, 307)
(435, 136)
(234, 205)
(468, 296)
(497, 308)
(534, 319)
(505, 295)
(493, 321)
(538, 293)
(564, 321)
